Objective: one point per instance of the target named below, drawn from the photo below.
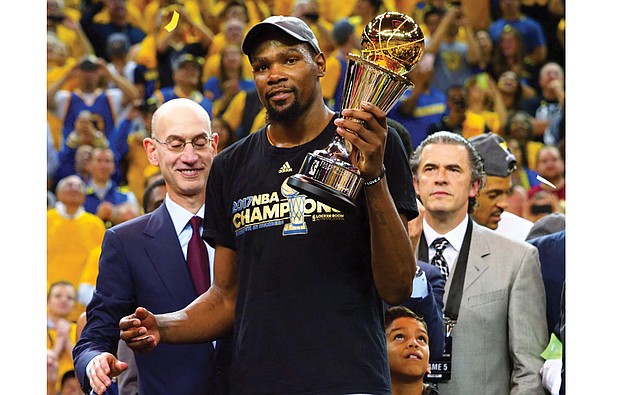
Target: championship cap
(290, 25)
(497, 158)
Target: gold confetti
(173, 23)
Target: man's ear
(151, 151)
(216, 139)
(320, 64)
(474, 190)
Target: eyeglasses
(176, 144)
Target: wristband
(376, 179)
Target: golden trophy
(392, 45)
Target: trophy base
(321, 192)
(328, 180)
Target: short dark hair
(433, 11)
(392, 313)
(69, 374)
(376, 4)
(57, 283)
(342, 31)
(149, 191)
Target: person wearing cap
(500, 328)
(117, 50)
(492, 201)
(105, 103)
(306, 302)
(186, 70)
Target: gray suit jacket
(501, 328)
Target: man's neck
(88, 89)
(69, 211)
(558, 181)
(191, 203)
(184, 91)
(119, 65)
(443, 223)
(549, 94)
(99, 183)
(410, 388)
(512, 16)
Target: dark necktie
(198, 258)
(440, 244)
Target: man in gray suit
(500, 327)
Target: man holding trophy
(301, 276)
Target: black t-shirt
(308, 319)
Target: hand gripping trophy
(392, 45)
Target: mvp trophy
(392, 45)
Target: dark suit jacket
(431, 308)
(552, 254)
(142, 264)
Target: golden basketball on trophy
(392, 45)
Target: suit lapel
(476, 260)
(167, 258)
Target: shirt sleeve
(399, 177)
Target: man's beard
(287, 114)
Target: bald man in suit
(143, 263)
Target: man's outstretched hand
(140, 331)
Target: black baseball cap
(498, 160)
(184, 58)
(117, 44)
(289, 25)
(89, 62)
(147, 106)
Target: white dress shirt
(455, 239)
(513, 226)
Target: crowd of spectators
(489, 66)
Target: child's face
(61, 300)
(408, 349)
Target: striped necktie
(440, 244)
